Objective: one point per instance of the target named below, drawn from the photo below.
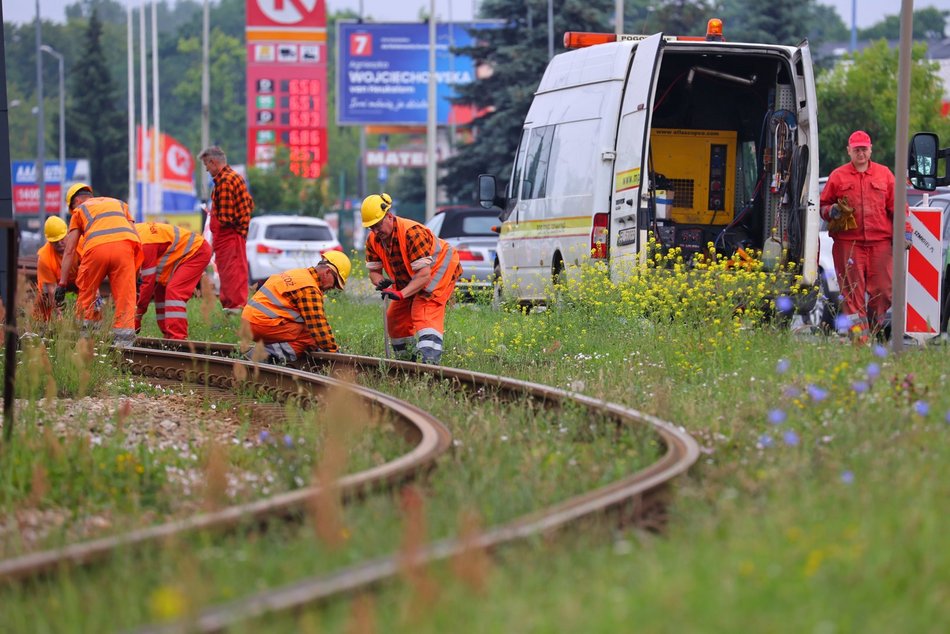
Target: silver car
(471, 231)
(279, 243)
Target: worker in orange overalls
(112, 249)
(49, 260)
(287, 316)
(174, 259)
(422, 272)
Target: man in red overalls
(231, 209)
(174, 261)
(422, 272)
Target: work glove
(908, 239)
(384, 283)
(842, 216)
(389, 293)
(59, 296)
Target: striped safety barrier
(924, 270)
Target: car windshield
(310, 233)
(469, 224)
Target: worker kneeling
(49, 264)
(422, 272)
(287, 316)
(174, 261)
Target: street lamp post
(46, 48)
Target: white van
(693, 139)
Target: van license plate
(626, 236)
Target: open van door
(808, 127)
(628, 226)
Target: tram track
(639, 498)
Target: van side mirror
(922, 161)
(487, 190)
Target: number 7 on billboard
(361, 44)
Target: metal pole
(550, 29)
(618, 17)
(899, 299)
(130, 80)
(40, 119)
(431, 120)
(143, 115)
(854, 25)
(205, 93)
(8, 259)
(361, 161)
(157, 159)
(62, 128)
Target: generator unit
(700, 171)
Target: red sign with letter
(286, 83)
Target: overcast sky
(869, 11)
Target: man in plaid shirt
(421, 272)
(287, 316)
(231, 208)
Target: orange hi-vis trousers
(422, 317)
(115, 260)
(291, 333)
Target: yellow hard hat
(339, 264)
(75, 189)
(55, 229)
(374, 208)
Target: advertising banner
(175, 181)
(286, 83)
(26, 191)
(383, 72)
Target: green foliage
(775, 22)
(862, 94)
(95, 125)
(279, 189)
(929, 24)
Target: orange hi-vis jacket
(268, 308)
(49, 265)
(182, 244)
(442, 259)
(102, 220)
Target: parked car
(469, 230)
(278, 243)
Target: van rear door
(626, 232)
(808, 127)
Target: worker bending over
(422, 272)
(112, 250)
(287, 316)
(174, 259)
(49, 262)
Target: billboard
(286, 83)
(383, 72)
(26, 191)
(177, 189)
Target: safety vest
(269, 306)
(443, 256)
(182, 244)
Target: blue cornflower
(817, 393)
(790, 438)
(847, 477)
(922, 408)
(782, 366)
(784, 304)
(947, 418)
(264, 436)
(842, 323)
(765, 440)
(777, 416)
(860, 386)
(880, 351)
(874, 370)
(288, 441)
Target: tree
(929, 24)
(775, 22)
(95, 126)
(518, 56)
(862, 93)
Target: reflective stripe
(159, 304)
(177, 303)
(124, 332)
(149, 271)
(440, 273)
(264, 309)
(184, 254)
(280, 303)
(429, 338)
(105, 232)
(176, 315)
(168, 252)
(90, 220)
(401, 341)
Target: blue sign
(24, 172)
(383, 72)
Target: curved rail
(430, 437)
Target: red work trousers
(231, 259)
(115, 260)
(864, 273)
(171, 301)
(290, 332)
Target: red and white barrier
(924, 271)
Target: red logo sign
(361, 44)
(286, 13)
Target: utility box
(700, 166)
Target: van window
(571, 169)
(536, 163)
(515, 182)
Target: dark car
(470, 231)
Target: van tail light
(263, 248)
(335, 247)
(469, 256)
(598, 236)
